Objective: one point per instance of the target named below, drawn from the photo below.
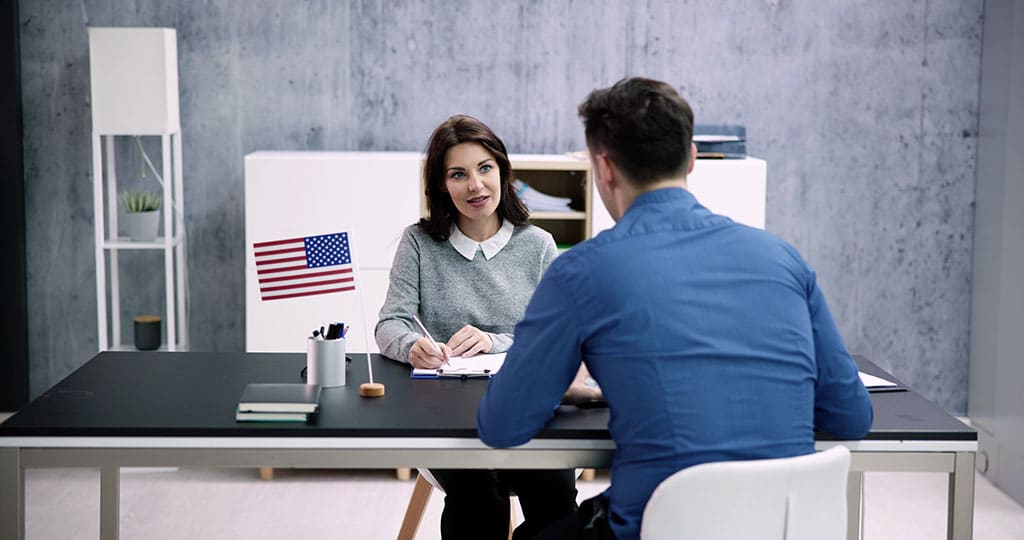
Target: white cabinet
(732, 187)
(374, 195)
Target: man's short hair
(643, 125)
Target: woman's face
(473, 181)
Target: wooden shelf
(558, 176)
(559, 215)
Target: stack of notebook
(537, 201)
(278, 402)
(720, 141)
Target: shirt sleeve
(842, 406)
(538, 368)
(396, 332)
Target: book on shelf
(280, 398)
(258, 416)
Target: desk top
(194, 394)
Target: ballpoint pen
(426, 334)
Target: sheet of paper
(468, 365)
(716, 138)
(870, 381)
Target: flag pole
(367, 389)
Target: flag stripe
(284, 260)
(301, 276)
(306, 284)
(279, 251)
(258, 245)
(278, 270)
(309, 293)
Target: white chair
(798, 498)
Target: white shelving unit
(278, 205)
(134, 83)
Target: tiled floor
(191, 504)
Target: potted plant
(142, 214)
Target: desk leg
(854, 505)
(110, 501)
(960, 515)
(12, 494)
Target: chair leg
(266, 473)
(511, 516)
(403, 473)
(414, 511)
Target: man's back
(709, 339)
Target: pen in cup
(426, 334)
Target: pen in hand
(426, 334)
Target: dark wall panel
(13, 310)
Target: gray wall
(865, 111)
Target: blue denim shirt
(711, 341)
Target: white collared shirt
(467, 247)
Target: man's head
(643, 126)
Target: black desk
(133, 409)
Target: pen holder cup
(325, 362)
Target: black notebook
(280, 397)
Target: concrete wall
(866, 111)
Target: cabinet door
(372, 196)
(732, 187)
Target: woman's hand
(426, 354)
(470, 340)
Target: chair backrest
(798, 498)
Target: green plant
(140, 201)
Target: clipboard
(448, 373)
(481, 366)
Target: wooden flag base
(371, 390)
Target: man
(709, 339)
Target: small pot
(147, 332)
(142, 226)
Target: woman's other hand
(583, 388)
(426, 354)
(470, 340)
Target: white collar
(467, 247)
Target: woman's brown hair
(442, 213)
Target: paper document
(481, 365)
(716, 138)
(870, 381)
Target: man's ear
(693, 158)
(605, 170)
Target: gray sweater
(432, 279)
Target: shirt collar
(662, 195)
(467, 247)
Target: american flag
(304, 266)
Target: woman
(467, 271)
